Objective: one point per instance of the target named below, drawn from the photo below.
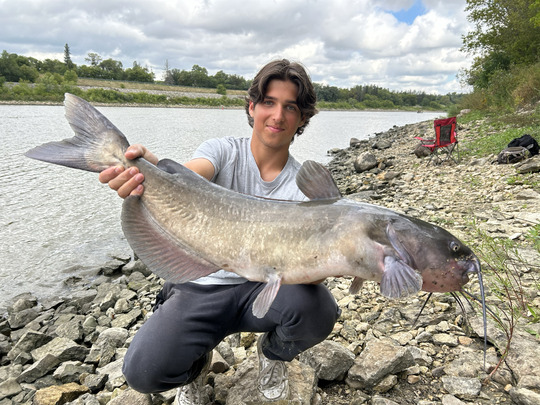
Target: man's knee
(313, 308)
(140, 379)
(149, 376)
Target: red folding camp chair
(445, 142)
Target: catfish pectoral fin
(158, 249)
(356, 285)
(264, 300)
(399, 279)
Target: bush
(221, 89)
(71, 77)
(527, 90)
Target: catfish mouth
(471, 265)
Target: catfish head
(442, 260)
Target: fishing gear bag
(513, 154)
(519, 149)
(526, 141)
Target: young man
(173, 348)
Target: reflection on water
(57, 222)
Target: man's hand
(128, 181)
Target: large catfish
(184, 227)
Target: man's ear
(251, 108)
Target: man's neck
(269, 162)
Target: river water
(57, 222)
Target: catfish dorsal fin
(316, 182)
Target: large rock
(62, 348)
(378, 359)
(329, 359)
(365, 161)
(59, 394)
(241, 388)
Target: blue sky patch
(408, 15)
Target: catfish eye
(454, 246)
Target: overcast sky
(395, 44)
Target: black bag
(526, 141)
(513, 154)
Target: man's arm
(129, 182)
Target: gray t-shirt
(235, 169)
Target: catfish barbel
(184, 227)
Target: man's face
(277, 117)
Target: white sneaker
(273, 376)
(193, 393)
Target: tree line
(505, 43)
(23, 69)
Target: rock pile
(70, 350)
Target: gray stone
(22, 318)
(111, 267)
(382, 144)
(71, 329)
(365, 161)
(531, 165)
(22, 302)
(71, 371)
(377, 360)
(39, 369)
(125, 320)
(329, 359)
(131, 397)
(421, 357)
(524, 396)
(9, 388)
(85, 399)
(376, 400)
(29, 341)
(462, 387)
(136, 266)
(114, 372)
(96, 382)
(62, 348)
(82, 297)
(445, 339)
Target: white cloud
(341, 42)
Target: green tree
(112, 69)
(199, 76)
(139, 74)
(504, 27)
(67, 58)
(93, 58)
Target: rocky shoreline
(69, 350)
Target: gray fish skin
(184, 227)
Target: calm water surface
(57, 222)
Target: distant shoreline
(198, 106)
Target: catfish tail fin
(97, 143)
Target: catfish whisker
(422, 309)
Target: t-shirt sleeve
(217, 151)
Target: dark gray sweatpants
(167, 351)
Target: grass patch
(494, 132)
(150, 86)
